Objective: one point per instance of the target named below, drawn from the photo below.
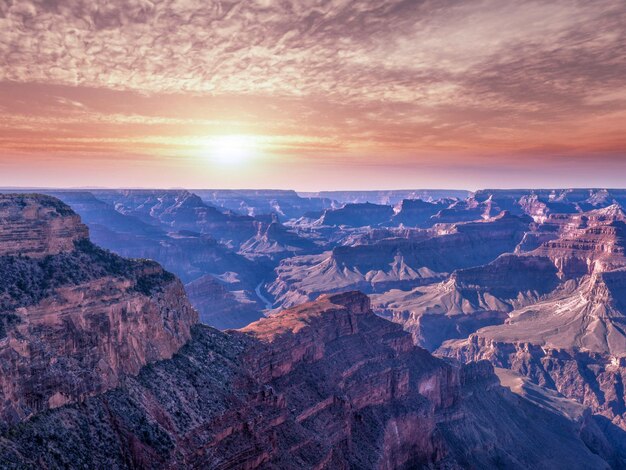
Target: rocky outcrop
(74, 319)
(541, 204)
(37, 226)
(598, 246)
(573, 343)
(273, 241)
(591, 378)
(181, 210)
(470, 299)
(463, 211)
(569, 268)
(324, 385)
(128, 226)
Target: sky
(313, 95)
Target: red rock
(324, 385)
(86, 317)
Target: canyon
(323, 385)
(529, 282)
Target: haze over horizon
(320, 95)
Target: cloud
(398, 79)
(382, 50)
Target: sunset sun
(231, 149)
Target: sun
(231, 149)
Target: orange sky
(332, 95)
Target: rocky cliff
(75, 318)
(572, 340)
(470, 299)
(582, 247)
(37, 226)
(129, 227)
(573, 343)
(325, 385)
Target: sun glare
(231, 149)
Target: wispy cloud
(395, 79)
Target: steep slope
(470, 299)
(325, 385)
(574, 340)
(575, 344)
(37, 226)
(599, 245)
(75, 318)
(273, 241)
(181, 210)
(583, 244)
(189, 255)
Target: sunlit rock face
(323, 385)
(74, 319)
(470, 299)
(580, 246)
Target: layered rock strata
(324, 385)
(74, 319)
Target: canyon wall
(74, 318)
(324, 385)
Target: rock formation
(139, 233)
(391, 197)
(419, 213)
(37, 226)
(324, 385)
(571, 339)
(285, 204)
(75, 318)
(357, 215)
(396, 262)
